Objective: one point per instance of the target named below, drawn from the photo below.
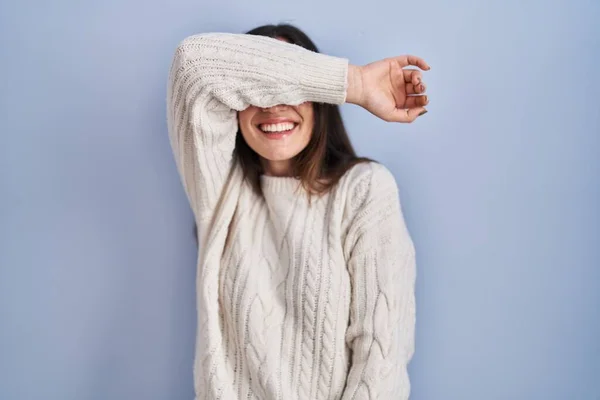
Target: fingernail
(423, 112)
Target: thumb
(406, 115)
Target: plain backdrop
(499, 183)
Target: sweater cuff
(325, 78)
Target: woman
(306, 280)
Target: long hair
(329, 153)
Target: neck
(277, 168)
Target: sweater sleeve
(213, 76)
(382, 270)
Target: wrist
(354, 90)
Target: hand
(387, 90)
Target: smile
(278, 130)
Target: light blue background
(499, 183)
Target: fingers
(407, 60)
(407, 115)
(416, 101)
(413, 108)
(415, 89)
(413, 76)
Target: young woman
(305, 282)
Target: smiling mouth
(279, 130)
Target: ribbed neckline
(279, 184)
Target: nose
(275, 108)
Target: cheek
(307, 113)
(244, 121)
(244, 117)
(308, 120)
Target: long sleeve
(381, 263)
(213, 76)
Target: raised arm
(215, 75)
(382, 271)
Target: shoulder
(366, 188)
(369, 179)
(372, 210)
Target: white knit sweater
(296, 300)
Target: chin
(278, 156)
(281, 147)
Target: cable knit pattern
(296, 299)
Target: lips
(280, 134)
(277, 128)
(280, 127)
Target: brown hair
(329, 153)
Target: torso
(283, 297)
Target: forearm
(242, 70)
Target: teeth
(284, 126)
